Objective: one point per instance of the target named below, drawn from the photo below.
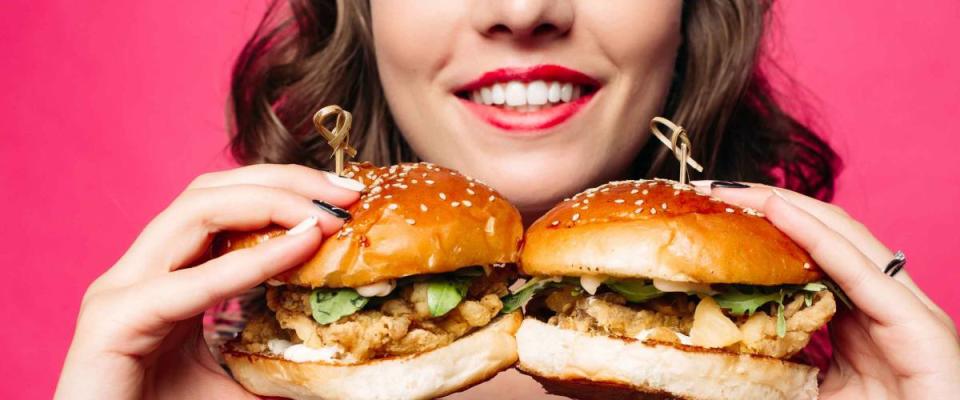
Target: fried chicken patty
(662, 318)
(397, 325)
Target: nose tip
(525, 19)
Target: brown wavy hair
(306, 54)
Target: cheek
(413, 39)
(637, 34)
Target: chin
(534, 183)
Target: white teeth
(525, 97)
(498, 96)
(537, 93)
(553, 93)
(516, 94)
(486, 96)
(566, 92)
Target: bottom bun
(465, 362)
(659, 369)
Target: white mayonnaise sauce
(590, 283)
(664, 285)
(378, 289)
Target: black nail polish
(727, 185)
(333, 210)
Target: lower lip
(517, 121)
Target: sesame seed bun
(411, 219)
(454, 367)
(659, 229)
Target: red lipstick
(547, 116)
(530, 74)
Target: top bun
(660, 229)
(411, 219)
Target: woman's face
(538, 98)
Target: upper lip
(544, 72)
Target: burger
(403, 302)
(650, 289)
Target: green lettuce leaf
(740, 301)
(444, 295)
(329, 305)
(634, 290)
(519, 298)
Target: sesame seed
(366, 206)
(392, 206)
(423, 207)
(653, 211)
(414, 181)
(443, 196)
(806, 266)
(663, 206)
(618, 201)
(411, 221)
(428, 181)
(389, 196)
(676, 192)
(634, 191)
(638, 202)
(575, 217)
(555, 223)
(467, 203)
(471, 184)
(586, 201)
(645, 192)
(638, 211)
(606, 189)
(575, 205)
(490, 198)
(455, 204)
(470, 192)
(729, 210)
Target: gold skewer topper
(338, 138)
(677, 134)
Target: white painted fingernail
(303, 226)
(702, 187)
(346, 183)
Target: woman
(442, 81)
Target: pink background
(110, 107)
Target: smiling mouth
(532, 98)
(516, 95)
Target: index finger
(305, 181)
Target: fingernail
(303, 226)
(702, 187)
(332, 209)
(344, 182)
(728, 185)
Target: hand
(896, 343)
(138, 334)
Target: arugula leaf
(781, 321)
(444, 295)
(329, 305)
(516, 300)
(747, 301)
(634, 290)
